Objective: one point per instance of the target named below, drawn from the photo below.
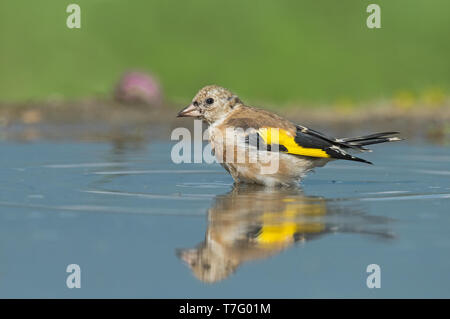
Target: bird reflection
(253, 222)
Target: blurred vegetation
(272, 51)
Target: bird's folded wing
(305, 143)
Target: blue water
(140, 226)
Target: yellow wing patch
(282, 137)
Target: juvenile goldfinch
(276, 151)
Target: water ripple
(157, 171)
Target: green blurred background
(273, 51)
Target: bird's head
(211, 104)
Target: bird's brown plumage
(235, 128)
(250, 117)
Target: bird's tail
(361, 141)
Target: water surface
(140, 226)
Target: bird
(257, 146)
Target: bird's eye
(209, 101)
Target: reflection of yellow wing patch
(276, 231)
(273, 234)
(282, 137)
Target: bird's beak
(189, 111)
